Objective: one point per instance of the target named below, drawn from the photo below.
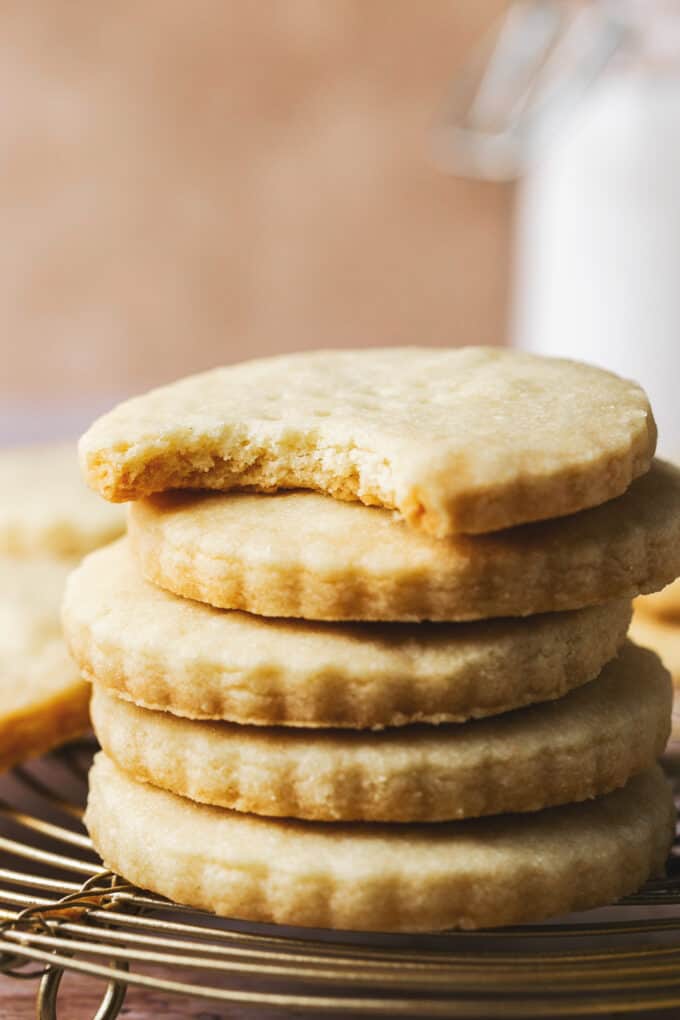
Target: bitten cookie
(43, 702)
(468, 440)
(470, 874)
(45, 509)
(585, 744)
(304, 555)
(164, 652)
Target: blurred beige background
(188, 184)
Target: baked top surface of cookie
(301, 554)
(46, 509)
(169, 653)
(475, 873)
(594, 739)
(43, 701)
(463, 440)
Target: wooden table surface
(80, 997)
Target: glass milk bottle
(582, 104)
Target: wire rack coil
(60, 912)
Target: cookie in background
(656, 625)
(46, 509)
(661, 605)
(48, 521)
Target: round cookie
(167, 653)
(466, 440)
(478, 873)
(43, 701)
(304, 555)
(46, 509)
(580, 746)
(663, 605)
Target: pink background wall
(188, 184)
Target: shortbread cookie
(470, 440)
(304, 555)
(168, 653)
(46, 509)
(471, 874)
(661, 636)
(585, 744)
(663, 605)
(43, 702)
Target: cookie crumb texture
(464, 440)
(479, 873)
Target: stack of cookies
(361, 661)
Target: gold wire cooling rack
(60, 912)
